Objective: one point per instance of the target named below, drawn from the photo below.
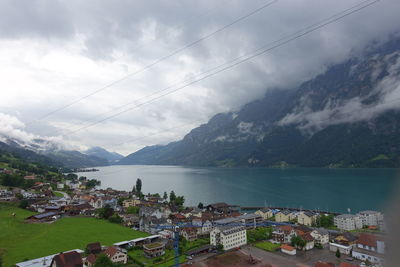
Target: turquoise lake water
(323, 189)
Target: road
(66, 196)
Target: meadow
(20, 241)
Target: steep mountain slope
(103, 154)
(345, 117)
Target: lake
(322, 189)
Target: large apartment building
(348, 222)
(228, 237)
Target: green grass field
(268, 246)
(57, 194)
(21, 241)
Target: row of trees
(107, 213)
(174, 200)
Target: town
(216, 234)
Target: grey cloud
(133, 34)
(355, 109)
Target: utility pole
(176, 245)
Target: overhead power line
(177, 51)
(256, 53)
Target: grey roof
(309, 213)
(322, 231)
(44, 215)
(346, 216)
(227, 220)
(286, 212)
(249, 216)
(369, 212)
(232, 230)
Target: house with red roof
(288, 249)
(369, 247)
(67, 259)
(116, 255)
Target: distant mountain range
(99, 152)
(60, 158)
(345, 117)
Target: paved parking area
(265, 258)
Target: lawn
(20, 241)
(166, 260)
(268, 246)
(57, 194)
(169, 254)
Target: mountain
(345, 117)
(99, 152)
(51, 157)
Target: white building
(369, 247)
(321, 236)
(348, 222)
(228, 237)
(370, 217)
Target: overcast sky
(54, 52)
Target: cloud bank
(54, 52)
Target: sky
(54, 53)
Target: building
(265, 213)
(131, 203)
(369, 247)
(346, 238)
(67, 259)
(93, 248)
(43, 261)
(306, 218)
(370, 217)
(348, 222)
(309, 241)
(288, 249)
(229, 237)
(203, 225)
(116, 255)
(284, 216)
(250, 220)
(44, 217)
(189, 233)
(283, 234)
(346, 250)
(220, 207)
(321, 236)
(155, 249)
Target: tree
(165, 197)
(1, 261)
(105, 213)
(172, 197)
(179, 201)
(200, 206)
(132, 210)
(138, 185)
(103, 261)
(23, 204)
(338, 253)
(299, 242)
(115, 218)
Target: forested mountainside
(345, 117)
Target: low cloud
(12, 129)
(387, 92)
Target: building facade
(228, 237)
(348, 222)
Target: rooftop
(153, 245)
